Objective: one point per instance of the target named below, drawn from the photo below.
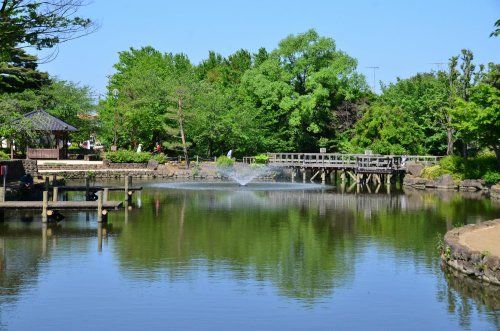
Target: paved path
(484, 239)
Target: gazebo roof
(43, 121)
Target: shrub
(126, 156)
(452, 163)
(492, 177)
(261, 159)
(434, 172)
(224, 161)
(160, 158)
(4, 156)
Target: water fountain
(243, 174)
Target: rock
(495, 192)
(105, 163)
(415, 169)
(152, 164)
(417, 182)
(472, 185)
(445, 182)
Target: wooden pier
(59, 205)
(358, 167)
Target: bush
(434, 172)
(261, 159)
(492, 177)
(160, 158)
(126, 156)
(224, 161)
(452, 163)
(4, 156)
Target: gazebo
(52, 135)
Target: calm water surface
(246, 259)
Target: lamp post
(115, 93)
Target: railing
(355, 161)
(248, 159)
(45, 153)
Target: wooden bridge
(359, 167)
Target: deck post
(87, 187)
(304, 175)
(44, 239)
(323, 176)
(47, 184)
(2, 194)
(99, 206)
(106, 194)
(293, 175)
(99, 237)
(45, 205)
(55, 192)
(388, 179)
(126, 188)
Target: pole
(106, 194)
(99, 206)
(55, 193)
(44, 206)
(126, 188)
(87, 187)
(374, 69)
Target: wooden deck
(59, 205)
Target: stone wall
(480, 264)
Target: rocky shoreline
(414, 179)
(481, 264)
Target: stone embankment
(105, 169)
(495, 192)
(445, 182)
(475, 250)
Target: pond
(222, 259)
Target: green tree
(298, 88)
(38, 24)
(479, 118)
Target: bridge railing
(359, 161)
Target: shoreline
(474, 250)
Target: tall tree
(37, 24)
(298, 88)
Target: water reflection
(308, 244)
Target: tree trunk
(449, 136)
(183, 137)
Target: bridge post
(293, 175)
(323, 176)
(304, 175)
(388, 179)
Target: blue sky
(401, 37)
